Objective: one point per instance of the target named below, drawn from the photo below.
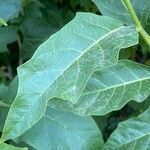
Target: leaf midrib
(118, 85)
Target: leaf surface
(118, 10)
(9, 9)
(64, 131)
(7, 36)
(63, 64)
(131, 134)
(110, 89)
(4, 146)
(34, 29)
(2, 22)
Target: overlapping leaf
(63, 64)
(118, 10)
(4, 146)
(8, 93)
(64, 131)
(7, 96)
(131, 134)
(7, 36)
(110, 89)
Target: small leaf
(2, 22)
(110, 89)
(64, 131)
(62, 66)
(131, 134)
(4, 146)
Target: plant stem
(136, 21)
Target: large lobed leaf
(131, 134)
(117, 10)
(110, 89)
(64, 131)
(62, 65)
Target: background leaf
(131, 134)
(7, 36)
(4, 146)
(118, 11)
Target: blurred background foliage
(30, 23)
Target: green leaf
(64, 131)
(62, 65)
(131, 134)
(8, 93)
(4, 146)
(110, 89)
(7, 36)
(7, 96)
(2, 22)
(118, 10)
(9, 9)
(3, 114)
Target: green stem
(136, 21)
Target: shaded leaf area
(131, 134)
(67, 60)
(7, 96)
(7, 35)
(64, 131)
(34, 29)
(43, 18)
(4, 146)
(119, 12)
(108, 123)
(110, 89)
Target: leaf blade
(110, 89)
(10, 147)
(61, 60)
(64, 130)
(118, 10)
(133, 133)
